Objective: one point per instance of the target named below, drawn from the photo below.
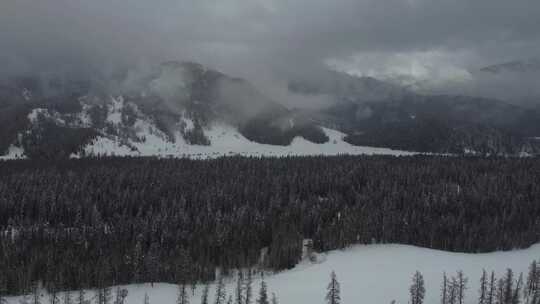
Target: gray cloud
(263, 39)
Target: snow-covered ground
(227, 141)
(367, 273)
(13, 153)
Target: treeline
(101, 222)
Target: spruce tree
(36, 298)
(508, 286)
(248, 287)
(221, 293)
(183, 295)
(333, 290)
(482, 299)
(239, 293)
(492, 289)
(263, 293)
(462, 286)
(204, 297)
(274, 298)
(81, 296)
(417, 289)
(516, 296)
(444, 289)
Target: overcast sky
(269, 38)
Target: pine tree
(462, 286)
(500, 292)
(204, 297)
(248, 287)
(417, 289)
(516, 296)
(492, 289)
(532, 281)
(121, 295)
(483, 288)
(508, 286)
(263, 293)
(333, 290)
(36, 299)
(453, 291)
(53, 295)
(274, 298)
(81, 297)
(239, 295)
(230, 300)
(221, 293)
(183, 295)
(444, 289)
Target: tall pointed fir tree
(239, 292)
(183, 295)
(516, 295)
(204, 296)
(452, 291)
(81, 296)
(444, 289)
(508, 286)
(263, 293)
(333, 290)
(36, 297)
(461, 287)
(483, 291)
(417, 289)
(492, 289)
(221, 293)
(249, 287)
(274, 298)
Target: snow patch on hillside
(367, 274)
(226, 141)
(14, 152)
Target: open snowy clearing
(227, 141)
(368, 274)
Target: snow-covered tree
(263, 293)
(482, 299)
(248, 287)
(417, 289)
(204, 297)
(183, 295)
(221, 293)
(444, 290)
(461, 286)
(333, 290)
(239, 291)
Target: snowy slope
(368, 274)
(226, 141)
(13, 153)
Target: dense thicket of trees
(98, 222)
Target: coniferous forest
(92, 223)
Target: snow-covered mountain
(186, 110)
(176, 110)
